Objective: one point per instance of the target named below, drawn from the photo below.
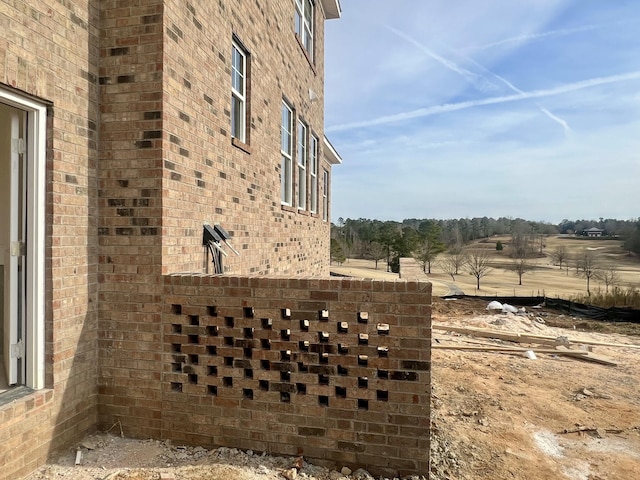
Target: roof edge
(331, 9)
(330, 153)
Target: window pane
(237, 117)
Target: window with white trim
(313, 173)
(304, 24)
(238, 93)
(325, 195)
(302, 166)
(286, 152)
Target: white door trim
(35, 162)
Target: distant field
(545, 279)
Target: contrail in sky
(452, 107)
(550, 33)
(479, 81)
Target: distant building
(593, 232)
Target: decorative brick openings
(335, 369)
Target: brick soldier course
(139, 155)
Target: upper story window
(325, 195)
(304, 24)
(286, 153)
(302, 166)
(238, 92)
(313, 173)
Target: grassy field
(544, 278)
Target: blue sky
(469, 108)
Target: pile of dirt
(494, 414)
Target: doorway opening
(22, 195)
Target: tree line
(426, 239)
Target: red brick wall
(335, 369)
(208, 179)
(49, 50)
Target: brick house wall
(139, 155)
(49, 51)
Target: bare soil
(494, 415)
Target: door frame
(35, 171)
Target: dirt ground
(494, 415)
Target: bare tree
(560, 256)
(453, 262)
(478, 264)
(586, 267)
(376, 251)
(521, 265)
(609, 276)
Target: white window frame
(35, 158)
(304, 22)
(238, 92)
(313, 173)
(325, 195)
(302, 165)
(286, 153)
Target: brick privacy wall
(337, 370)
(410, 269)
(49, 50)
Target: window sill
(241, 145)
(306, 54)
(288, 208)
(32, 398)
(304, 212)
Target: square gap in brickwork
(194, 319)
(229, 321)
(212, 310)
(248, 312)
(212, 350)
(323, 400)
(212, 390)
(176, 309)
